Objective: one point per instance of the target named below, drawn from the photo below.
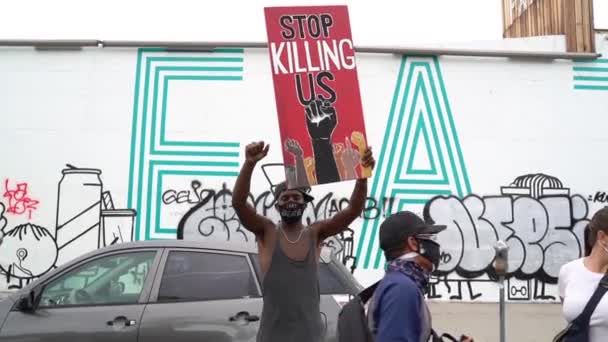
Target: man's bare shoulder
(268, 237)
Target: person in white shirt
(579, 278)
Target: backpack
(353, 324)
(352, 321)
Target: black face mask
(430, 250)
(292, 212)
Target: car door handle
(252, 318)
(122, 320)
(245, 316)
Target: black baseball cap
(401, 225)
(282, 187)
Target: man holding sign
(289, 251)
(320, 114)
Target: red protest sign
(317, 94)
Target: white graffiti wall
(105, 146)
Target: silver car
(175, 291)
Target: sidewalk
(525, 322)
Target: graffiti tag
(599, 197)
(18, 201)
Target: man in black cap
(398, 310)
(289, 252)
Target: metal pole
(206, 46)
(501, 266)
(503, 319)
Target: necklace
(286, 238)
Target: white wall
(493, 119)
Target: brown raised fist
(256, 151)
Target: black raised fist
(321, 118)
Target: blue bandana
(412, 270)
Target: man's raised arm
(251, 220)
(345, 217)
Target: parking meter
(501, 262)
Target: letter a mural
(420, 156)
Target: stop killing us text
(310, 35)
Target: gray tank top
(291, 298)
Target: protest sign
(317, 94)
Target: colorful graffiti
(541, 221)
(19, 202)
(538, 217)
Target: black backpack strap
(434, 336)
(443, 338)
(583, 319)
(449, 337)
(367, 293)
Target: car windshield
(331, 281)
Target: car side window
(198, 276)
(114, 279)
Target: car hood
(6, 304)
